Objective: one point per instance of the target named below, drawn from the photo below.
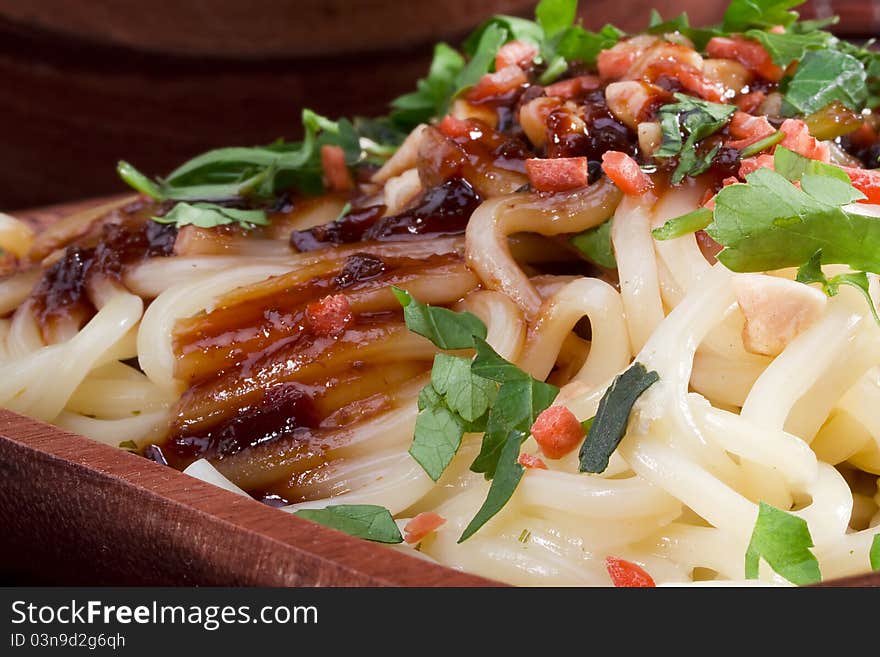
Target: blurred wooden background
(83, 84)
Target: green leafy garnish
(445, 328)
(259, 172)
(822, 77)
(768, 223)
(520, 399)
(783, 541)
(595, 245)
(788, 47)
(811, 272)
(742, 15)
(507, 475)
(368, 521)
(684, 225)
(684, 124)
(209, 215)
(609, 426)
(874, 554)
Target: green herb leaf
(783, 541)
(874, 554)
(555, 16)
(824, 76)
(684, 225)
(742, 15)
(609, 426)
(482, 61)
(467, 394)
(520, 399)
(787, 47)
(811, 272)
(209, 215)
(580, 45)
(696, 119)
(433, 93)
(137, 180)
(595, 245)
(436, 439)
(768, 223)
(518, 29)
(368, 521)
(445, 328)
(507, 476)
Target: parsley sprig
(783, 540)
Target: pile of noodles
(721, 430)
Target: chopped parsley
(783, 540)
(595, 245)
(874, 554)
(607, 429)
(209, 215)
(445, 328)
(684, 124)
(373, 523)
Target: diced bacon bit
(559, 174)
(750, 54)
(336, 173)
(498, 83)
(866, 181)
(329, 316)
(531, 461)
(750, 164)
(573, 87)
(747, 129)
(625, 173)
(422, 525)
(627, 574)
(615, 63)
(690, 78)
(557, 432)
(515, 53)
(751, 101)
(776, 310)
(798, 139)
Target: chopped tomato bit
(557, 432)
(626, 573)
(798, 139)
(574, 87)
(613, 64)
(422, 525)
(453, 127)
(498, 83)
(750, 54)
(531, 461)
(751, 101)
(867, 181)
(515, 53)
(750, 164)
(329, 316)
(625, 173)
(335, 170)
(747, 129)
(558, 174)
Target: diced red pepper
(558, 174)
(335, 170)
(531, 461)
(798, 139)
(573, 87)
(498, 83)
(750, 164)
(625, 173)
(626, 573)
(750, 54)
(422, 525)
(329, 316)
(747, 129)
(751, 101)
(867, 181)
(515, 53)
(557, 432)
(455, 128)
